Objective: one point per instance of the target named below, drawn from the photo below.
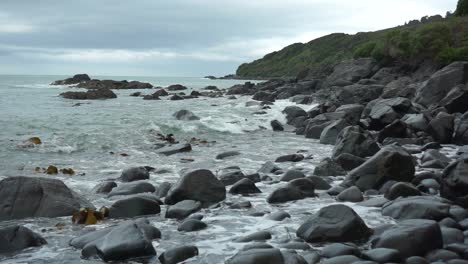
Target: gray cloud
(178, 37)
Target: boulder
(292, 175)
(352, 112)
(134, 206)
(331, 132)
(328, 167)
(15, 238)
(178, 254)
(395, 130)
(269, 167)
(231, 175)
(175, 148)
(348, 161)
(295, 190)
(319, 182)
(276, 125)
(77, 78)
(417, 122)
(132, 188)
(183, 209)
(390, 163)
(199, 185)
(111, 84)
(342, 260)
(185, 115)
(441, 82)
(351, 71)
(257, 236)
(176, 87)
(383, 255)
(339, 249)
(293, 112)
(278, 216)
(24, 197)
(385, 111)
(454, 182)
(401, 189)
(461, 130)
(352, 194)
(244, 186)
(191, 225)
(257, 256)
(132, 239)
(455, 101)
(334, 223)
(417, 207)
(227, 154)
(176, 97)
(105, 187)
(264, 96)
(92, 94)
(290, 158)
(434, 159)
(134, 174)
(156, 95)
(357, 94)
(411, 238)
(441, 128)
(355, 141)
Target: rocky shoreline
(391, 129)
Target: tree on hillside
(462, 8)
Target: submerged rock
(227, 154)
(174, 149)
(24, 197)
(16, 238)
(191, 225)
(295, 190)
(185, 115)
(290, 158)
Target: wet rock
(348, 161)
(461, 130)
(134, 206)
(417, 207)
(111, 84)
(292, 175)
(354, 140)
(374, 202)
(441, 82)
(156, 95)
(383, 255)
(331, 132)
(178, 254)
(132, 188)
(175, 148)
(191, 225)
(434, 159)
(176, 97)
(176, 87)
(256, 256)
(278, 216)
(416, 260)
(401, 189)
(105, 187)
(241, 205)
(454, 182)
(386, 111)
(257, 236)
(163, 190)
(417, 122)
(244, 186)
(15, 238)
(351, 71)
(452, 235)
(394, 131)
(183, 209)
(441, 128)
(276, 125)
(199, 185)
(185, 115)
(455, 101)
(292, 112)
(411, 238)
(24, 197)
(352, 194)
(390, 163)
(295, 190)
(442, 255)
(334, 223)
(352, 112)
(319, 183)
(328, 167)
(92, 94)
(77, 78)
(295, 245)
(290, 158)
(227, 154)
(131, 239)
(268, 167)
(134, 174)
(342, 260)
(339, 249)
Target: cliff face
(433, 39)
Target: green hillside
(440, 42)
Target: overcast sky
(178, 37)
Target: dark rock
(331, 132)
(135, 94)
(92, 94)
(178, 254)
(339, 249)
(335, 190)
(417, 207)
(134, 206)
(132, 239)
(183, 209)
(176, 97)
(352, 194)
(185, 115)
(229, 176)
(176, 87)
(441, 255)
(352, 71)
(241, 205)
(255, 177)
(386, 111)
(153, 96)
(191, 225)
(244, 186)
(111, 84)
(15, 238)
(257, 236)
(328, 167)
(276, 125)
(292, 175)
(374, 202)
(293, 112)
(295, 246)
(401, 189)
(357, 94)
(417, 122)
(290, 158)
(199, 185)
(452, 235)
(174, 149)
(334, 223)
(264, 96)
(441, 82)
(319, 183)
(257, 256)
(461, 130)
(227, 154)
(342, 260)
(416, 260)
(441, 128)
(397, 129)
(454, 182)
(269, 167)
(354, 140)
(434, 159)
(383, 255)
(390, 163)
(105, 187)
(134, 174)
(24, 197)
(163, 190)
(295, 190)
(278, 216)
(157, 94)
(132, 188)
(73, 80)
(455, 101)
(411, 238)
(348, 161)
(352, 112)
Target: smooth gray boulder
(105, 187)
(334, 223)
(330, 133)
(134, 206)
(417, 207)
(290, 175)
(178, 254)
(244, 187)
(441, 128)
(24, 197)
(227, 154)
(191, 225)
(185, 115)
(15, 238)
(356, 141)
(295, 190)
(329, 167)
(352, 194)
(454, 182)
(134, 174)
(258, 256)
(199, 185)
(183, 209)
(132, 188)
